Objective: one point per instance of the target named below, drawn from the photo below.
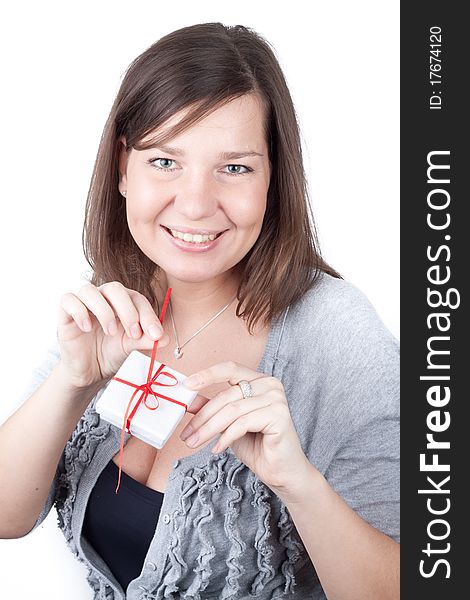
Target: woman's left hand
(259, 428)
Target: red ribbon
(146, 391)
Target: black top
(121, 526)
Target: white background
(61, 66)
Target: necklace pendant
(177, 352)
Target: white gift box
(151, 426)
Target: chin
(193, 274)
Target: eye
(236, 169)
(162, 164)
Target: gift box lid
(152, 426)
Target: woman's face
(212, 179)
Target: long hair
(200, 68)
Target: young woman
(282, 479)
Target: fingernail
(193, 381)
(135, 331)
(193, 440)
(187, 431)
(86, 324)
(154, 331)
(112, 327)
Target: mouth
(202, 237)
(198, 241)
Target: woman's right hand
(99, 327)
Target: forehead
(239, 121)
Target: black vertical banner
(435, 267)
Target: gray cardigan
(222, 534)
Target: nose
(196, 196)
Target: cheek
(144, 203)
(247, 207)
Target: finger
(145, 343)
(149, 322)
(196, 405)
(262, 421)
(99, 307)
(261, 386)
(227, 415)
(225, 371)
(118, 298)
(71, 309)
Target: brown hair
(202, 67)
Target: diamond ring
(246, 388)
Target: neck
(200, 299)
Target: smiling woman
(199, 187)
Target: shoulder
(333, 301)
(40, 372)
(335, 317)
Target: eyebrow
(222, 155)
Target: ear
(123, 156)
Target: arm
(353, 560)
(93, 342)
(31, 443)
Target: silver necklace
(177, 352)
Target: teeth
(188, 237)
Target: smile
(193, 241)
(194, 238)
